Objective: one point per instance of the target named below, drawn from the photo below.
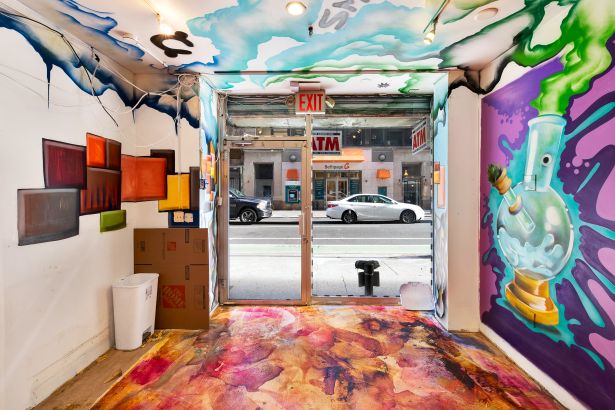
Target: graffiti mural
(440, 211)
(547, 234)
(209, 153)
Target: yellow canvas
(178, 193)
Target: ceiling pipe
(312, 72)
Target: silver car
(371, 207)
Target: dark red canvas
(103, 192)
(63, 165)
(114, 152)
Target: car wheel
(248, 216)
(349, 217)
(408, 217)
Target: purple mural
(572, 340)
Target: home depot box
(183, 295)
(171, 246)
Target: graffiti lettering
(341, 17)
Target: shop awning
(292, 174)
(348, 155)
(383, 173)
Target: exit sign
(310, 102)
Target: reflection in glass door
(267, 230)
(337, 188)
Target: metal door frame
(305, 219)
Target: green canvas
(112, 220)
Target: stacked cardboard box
(181, 258)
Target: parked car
(248, 209)
(370, 207)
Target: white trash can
(134, 309)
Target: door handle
(302, 225)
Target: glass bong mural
(533, 225)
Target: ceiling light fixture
(295, 8)
(431, 34)
(330, 102)
(165, 28)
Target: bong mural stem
(502, 182)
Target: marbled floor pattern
(324, 357)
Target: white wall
(55, 297)
(463, 210)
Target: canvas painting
(178, 193)
(103, 192)
(194, 188)
(46, 215)
(112, 220)
(114, 153)
(169, 154)
(96, 151)
(442, 187)
(63, 165)
(143, 178)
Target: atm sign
(310, 102)
(419, 137)
(326, 142)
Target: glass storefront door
(337, 188)
(268, 258)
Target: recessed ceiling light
(295, 8)
(486, 14)
(429, 37)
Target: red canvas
(143, 178)
(103, 192)
(63, 165)
(114, 152)
(96, 151)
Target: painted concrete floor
(324, 357)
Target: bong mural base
(533, 225)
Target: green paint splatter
(410, 85)
(584, 35)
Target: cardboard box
(183, 295)
(171, 246)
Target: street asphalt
(265, 259)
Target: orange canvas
(442, 188)
(96, 151)
(143, 178)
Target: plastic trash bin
(134, 309)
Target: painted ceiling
(243, 37)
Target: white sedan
(369, 207)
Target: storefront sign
(419, 137)
(337, 167)
(310, 102)
(326, 142)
